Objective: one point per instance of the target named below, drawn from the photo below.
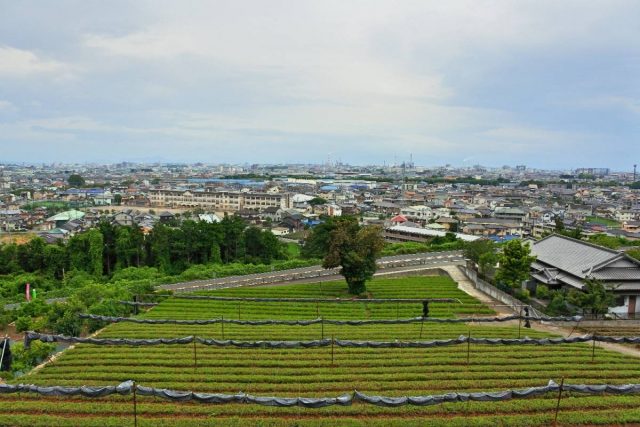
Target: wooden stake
(555, 420)
(135, 405)
(468, 347)
(519, 322)
(135, 306)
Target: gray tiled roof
(583, 259)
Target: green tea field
(328, 371)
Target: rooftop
(582, 259)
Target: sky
(545, 83)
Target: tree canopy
(75, 180)
(475, 249)
(354, 249)
(515, 264)
(317, 201)
(109, 248)
(595, 298)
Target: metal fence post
(332, 351)
(195, 355)
(555, 420)
(4, 347)
(519, 322)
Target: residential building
(563, 262)
(224, 201)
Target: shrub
(34, 308)
(23, 359)
(542, 292)
(523, 295)
(23, 323)
(558, 305)
(63, 319)
(136, 273)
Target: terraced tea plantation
(311, 372)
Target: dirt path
(466, 285)
(565, 331)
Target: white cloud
(66, 123)
(524, 134)
(144, 44)
(18, 62)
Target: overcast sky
(552, 84)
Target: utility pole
(634, 172)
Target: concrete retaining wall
(603, 323)
(496, 293)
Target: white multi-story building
(225, 201)
(417, 213)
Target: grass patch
(293, 250)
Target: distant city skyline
(337, 166)
(552, 85)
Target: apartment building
(225, 201)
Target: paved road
(387, 266)
(48, 301)
(396, 264)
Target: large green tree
(232, 244)
(75, 180)
(515, 264)
(261, 246)
(9, 258)
(108, 231)
(78, 252)
(317, 243)
(316, 201)
(487, 264)
(354, 249)
(475, 249)
(31, 255)
(160, 247)
(55, 257)
(96, 247)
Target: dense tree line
(171, 249)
